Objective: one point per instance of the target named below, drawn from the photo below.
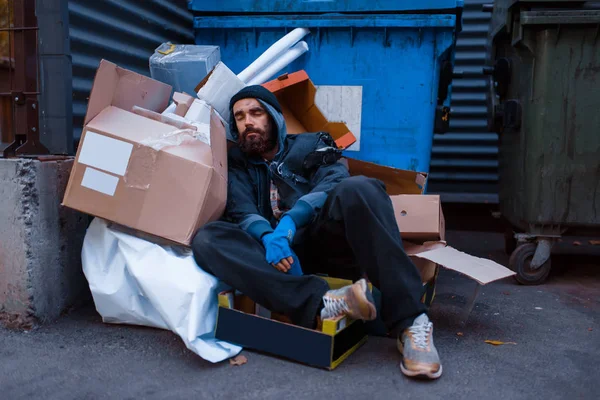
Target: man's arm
(328, 172)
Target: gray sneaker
(420, 357)
(355, 301)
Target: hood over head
(270, 103)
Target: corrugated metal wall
(464, 166)
(123, 31)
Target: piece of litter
(497, 342)
(238, 360)
(595, 242)
(460, 334)
(497, 313)
(576, 243)
(539, 308)
(590, 329)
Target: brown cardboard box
(296, 95)
(419, 217)
(142, 173)
(428, 249)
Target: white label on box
(105, 153)
(342, 104)
(99, 181)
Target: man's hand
(277, 244)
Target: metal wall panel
(464, 165)
(125, 32)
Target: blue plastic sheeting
(301, 6)
(396, 60)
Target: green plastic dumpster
(544, 102)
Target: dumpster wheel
(520, 262)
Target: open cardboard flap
(296, 94)
(482, 270)
(397, 181)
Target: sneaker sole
(421, 374)
(364, 297)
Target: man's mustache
(253, 130)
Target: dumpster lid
(323, 6)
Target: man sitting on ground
(293, 210)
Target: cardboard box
(419, 217)
(296, 95)
(142, 173)
(218, 87)
(325, 347)
(426, 245)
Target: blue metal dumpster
(400, 53)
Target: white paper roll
(272, 53)
(283, 61)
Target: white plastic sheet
(134, 281)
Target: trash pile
(152, 167)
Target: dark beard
(257, 146)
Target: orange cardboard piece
(419, 217)
(296, 94)
(169, 190)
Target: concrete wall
(40, 242)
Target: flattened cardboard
(481, 270)
(419, 217)
(296, 94)
(218, 87)
(168, 192)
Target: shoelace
(334, 306)
(420, 334)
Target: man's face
(255, 127)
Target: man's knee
(205, 240)
(359, 186)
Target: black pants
(355, 235)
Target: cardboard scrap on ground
(238, 360)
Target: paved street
(556, 328)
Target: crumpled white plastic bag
(134, 281)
